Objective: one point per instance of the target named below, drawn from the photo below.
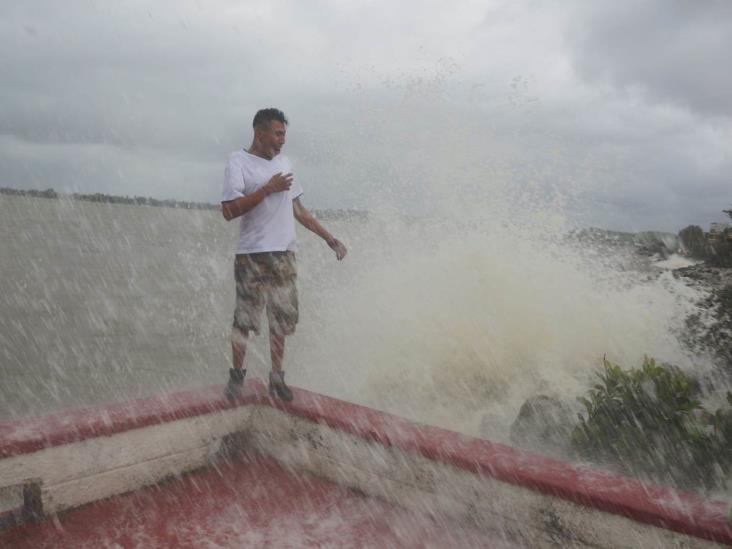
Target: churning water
(461, 295)
(448, 322)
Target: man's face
(272, 138)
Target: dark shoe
(277, 386)
(236, 381)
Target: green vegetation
(649, 422)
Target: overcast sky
(618, 111)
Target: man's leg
(277, 386)
(239, 340)
(282, 314)
(249, 304)
(276, 350)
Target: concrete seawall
(80, 456)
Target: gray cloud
(674, 51)
(623, 112)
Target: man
(260, 190)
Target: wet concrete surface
(249, 502)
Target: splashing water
(460, 331)
(462, 295)
(459, 299)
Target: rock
(656, 243)
(693, 242)
(647, 245)
(544, 424)
(707, 276)
(721, 254)
(710, 329)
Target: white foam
(675, 261)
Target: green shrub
(649, 422)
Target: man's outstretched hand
(338, 247)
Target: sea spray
(450, 326)
(460, 297)
(463, 294)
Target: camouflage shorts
(266, 278)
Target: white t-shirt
(270, 225)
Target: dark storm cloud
(675, 51)
(82, 76)
(386, 100)
(133, 99)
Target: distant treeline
(167, 203)
(109, 199)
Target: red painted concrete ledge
(684, 512)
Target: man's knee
(239, 337)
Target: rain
(536, 204)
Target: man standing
(260, 189)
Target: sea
(449, 321)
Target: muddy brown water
(104, 302)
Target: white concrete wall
(442, 490)
(92, 469)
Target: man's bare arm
(306, 219)
(239, 206)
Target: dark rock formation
(544, 424)
(647, 244)
(693, 242)
(721, 254)
(710, 330)
(655, 243)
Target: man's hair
(266, 116)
